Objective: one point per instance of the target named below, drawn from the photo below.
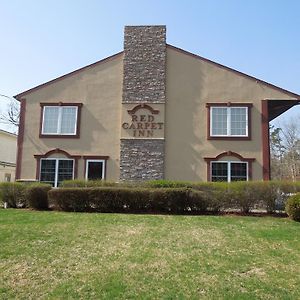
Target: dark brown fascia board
(272, 86)
(67, 75)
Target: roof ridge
(235, 71)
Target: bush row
(215, 197)
(111, 199)
(245, 196)
(153, 196)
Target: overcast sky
(41, 40)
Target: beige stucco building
(152, 111)
(8, 150)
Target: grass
(54, 255)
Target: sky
(41, 40)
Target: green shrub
(168, 184)
(37, 196)
(86, 183)
(13, 193)
(70, 199)
(270, 193)
(246, 195)
(292, 207)
(217, 195)
(197, 202)
(168, 200)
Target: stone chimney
(144, 64)
(144, 78)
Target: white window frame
(229, 168)
(60, 109)
(228, 134)
(94, 160)
(56, 168)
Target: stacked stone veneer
(142, 159)
(144, 77)
(144, 64)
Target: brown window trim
(229, 153)
(229, 104)
(38, 158)
(70, 136)
(100, 157)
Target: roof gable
(267, 84)
(20, 95)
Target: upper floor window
(229, 121)
(60, 120)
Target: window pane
(50, 120)
(219, 121)
(95, 170)
(238, 121)
(68, 120)
(219, 171)
(238, 171)
(48, 171)
(65, 170)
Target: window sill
(60, 136)
(230, 138)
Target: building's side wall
(99, 88)
(8, 144)
(191, 83)
(8, 150)
(7, 171)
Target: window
(229, 121)
(95, 169)
(55, 170)
(229, 171)
(59, 120)
(7, 177)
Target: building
(8, 150)
(152, 111)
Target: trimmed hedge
(160, 196)
(87, 183)
(110, 199)
(13, 193)
(188, 198)
(37, 196)
(292, 207)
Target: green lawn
(54, 255)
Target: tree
(11, 114)
(285, 151)
(277, 150)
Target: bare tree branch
(11, 115)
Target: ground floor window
(229, 171)
(55, 170)
(95, 169)
(7, 177)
